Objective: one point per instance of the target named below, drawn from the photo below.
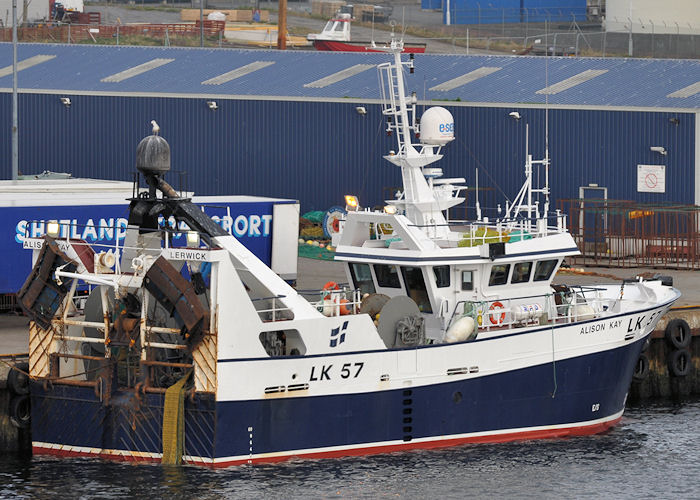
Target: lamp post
(282, 25)
(201, 23)
(15, 129)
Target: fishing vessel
(336, 36)
(447, 332)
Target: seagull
(156, 128)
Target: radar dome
(153, 155)
(437, 127)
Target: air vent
(457, 371)
(274, 389)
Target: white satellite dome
(437, 127)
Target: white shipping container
(653, 16)
(97, 211)
(37, 10)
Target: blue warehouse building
(286, 124)
(508, 11)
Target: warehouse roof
(236, 73)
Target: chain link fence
(559, 31)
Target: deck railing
(570, 305)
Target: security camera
(514, 115)
(65, 101)
(659, 149)
(212, 105)
(361, 110)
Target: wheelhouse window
(467, 280)
(544, 268)
(387, 276)
(362, 278)
(521, 272)
(415, 287)
(442, 276)
(499, 274)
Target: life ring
(641, 368)
(17, 379)
(495, 319)
(678, 333)
(331, 285)
(20, 411)
(679, 363)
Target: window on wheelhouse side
(415, 288)
(521, 272)
(362, 278)
(467, 280)
(387, 276)
(499, 274)
(544, 269)
(442, 276)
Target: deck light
(192, 239)
(390, 209)
(53, 228)
(351, 203)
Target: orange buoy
(331, 285)
(495, 319)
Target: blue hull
(574, 391)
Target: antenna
(478, 206)
(546, 128)
(403, 21)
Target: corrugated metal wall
(317, 152)
(514, 11)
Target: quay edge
(12, 438)
(658, 380)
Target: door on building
(593, 220)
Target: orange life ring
(331, 285)
(493, 318)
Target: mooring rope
(554, 363)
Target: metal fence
(628, 234)
(522, 38)
(116, 34)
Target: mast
(419, 201)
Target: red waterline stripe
(584, 430)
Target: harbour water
(653, 453)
